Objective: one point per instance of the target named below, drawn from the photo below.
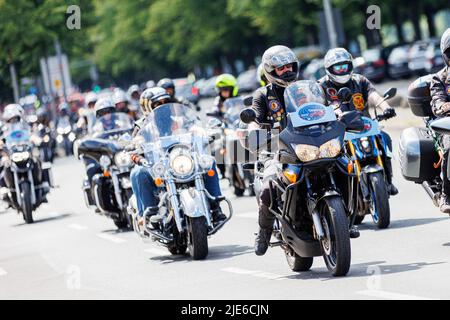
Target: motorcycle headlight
(121, 159)
(60, 130)
(72, 136)
(206, 162)
(365, 145)
(67, 130)
(105, 161)
(158, 170)
(306, 152)
(181, 161)
(59, 139)
(46, 138)
(330, 149)
(20, 156)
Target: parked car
(434, 61)
(419, 54)
(374, 68)
(187, 90)
(398, 62)
(247, 81)
(314, 70)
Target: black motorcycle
(24, 173)
(421, 151)
(110, 189)
(309, 195)
(43, 138)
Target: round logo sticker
(358, 101)
(275, 106)
(312, 112)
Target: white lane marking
(3, 272)
(157, 252)
(77, 227)
(110, 238)
(390, 295)
(255, 273)
(248, 215)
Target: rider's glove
(444, 109)
(389, 113)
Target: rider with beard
(141, 180)
(440, 103)
(280, 68)
(338, 65)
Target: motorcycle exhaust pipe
(433, 195)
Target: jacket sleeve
(438, 93)
(260, 106)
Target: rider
(440, 103)
(338, 65)
(280, 67)
(104, 113)
(133, 95)
(169, 86)
(226, 87)
(142, 182)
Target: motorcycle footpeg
(276, 244)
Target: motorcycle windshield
(113, 122)
(233, 108)
(170, 120)
(305, 104)
(16, 134)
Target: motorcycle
(44, 140)
(307, 198)
(175, 146)
(234, 155)
(421, 151)
(366, 149)
(21, 175)
(65, 136)
(110, 189)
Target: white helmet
(119, 96)
(276, 57)
(91, 97)
(338, 64)
(11, 111)
(104, 105)
(445, 46)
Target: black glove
(389, 113)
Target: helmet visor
(341, 69)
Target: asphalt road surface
(72, 253)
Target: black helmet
(167, 84)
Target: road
(72, 253)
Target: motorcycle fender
(327, 194)
(371, 169)
(191, 202)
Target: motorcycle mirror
(248, 115)
(214, 123)
(248, 101)
(390, 93)
(344, 94)
(352, 121)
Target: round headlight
(121, 159)
(105, 161)
(306, 152)
(158, 170)
(330, 149)
(181, 161)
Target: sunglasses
(341, 68)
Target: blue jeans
(145, 189)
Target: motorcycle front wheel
(27, 209)
(380, 210)
(336, 242)
(198, 238)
